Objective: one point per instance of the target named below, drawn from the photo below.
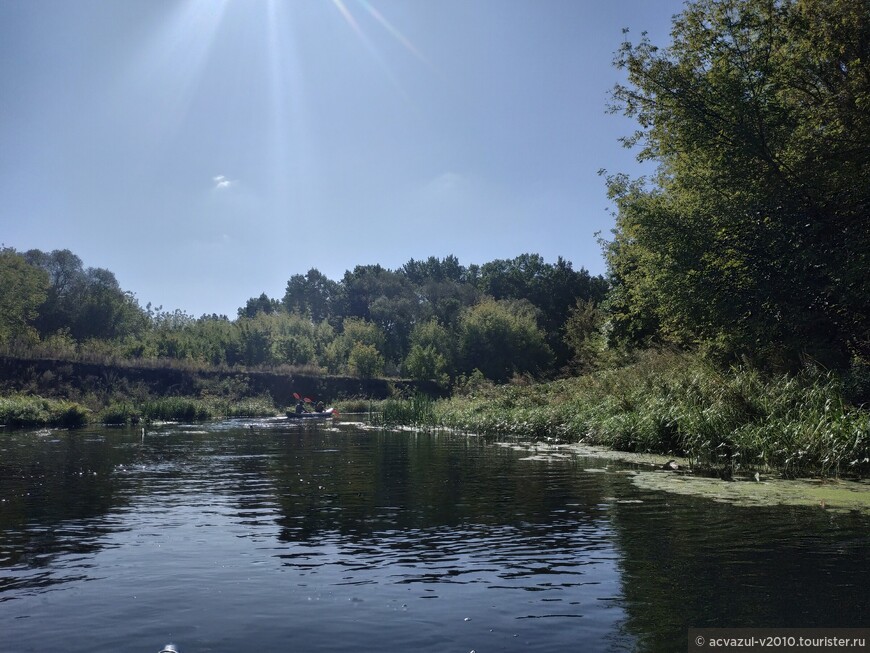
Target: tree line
(429, 319)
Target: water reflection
(344, 539)
(56, 493)
(697, 563)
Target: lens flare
(395, 33)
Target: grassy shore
(679, 405)
(20, 411)
(666, 403)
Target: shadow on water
(688, 562)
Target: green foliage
(185, 409)
(415, 411)
(365, 361)
(312, 294)
(753, 239)
(679, 404)
(247, 407)
(337, 353)
(23, 288)
(425, 363)
(432, 354)
(21, 411)
(551, 289)
(261, 304)
(351, 406)
(87, 303)
(422, 319)
(119, 413)
(501, 339)
(584, 335)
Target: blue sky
(207, 150)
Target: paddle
(308, 400)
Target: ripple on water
(365, 540)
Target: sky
(207, 150)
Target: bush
(20, 411)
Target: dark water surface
(269, 536)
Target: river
(264, 535)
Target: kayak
(326, 414)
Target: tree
(432, 354)
(583, 335)
(551, 288)
(261, 304)
(23, 289)
(386, 298)
(753, 237)
(106, 312)
(355, 331)
(313, 294)
(65, 274)
(501, 338)
(365, 361)
(88, 303)
(426, 364)
(434, 269)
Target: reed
(177, 409)
(678, 404)
(119, 413)
(26, 411)
(359, 405)
(416, 410)
(251, 407)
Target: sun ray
(354, 25)
(345, 12)
(396, 34)
(291, 155)
(170, 68)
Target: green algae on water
(839, 495)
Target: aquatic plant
(21, 411)
(177, 408)
(416, 410)
(250, 407)
(119, 413)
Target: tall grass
(177, 409)
(185, 409)
(679, 404)
(24, 411)
(417, 410)
(359, 405)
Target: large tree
(89, 303)
(502, 338)
(754, 235)
(313, 293)
(23, 289)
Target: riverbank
(37, 392)
(97, 384)
(679, 405)
(22, 411)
